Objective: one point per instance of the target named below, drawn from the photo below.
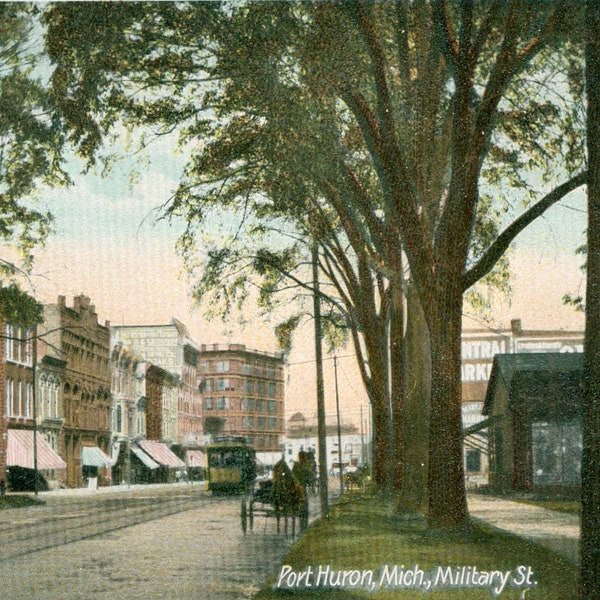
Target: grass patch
(364, 534)
(16, 501)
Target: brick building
(162, 391)
(74, 335)
(20, 456)
(170, 348)
(243, 394)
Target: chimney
(516, 327)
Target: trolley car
(231, 465)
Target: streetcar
(231, 465)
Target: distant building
(73, 335)
(162, 392)
(302, 434)
(534, 410)
(243, 395)
(170, 348)
(479, 347)
(128, 391)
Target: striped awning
(92, 456)
(19, 451)
(162, 454)
(196, 458)
(148, 462)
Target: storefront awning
(19, 451)
(196, 458)
(144, 458)
(162, 454)
(92, 456)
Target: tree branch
(502, 242)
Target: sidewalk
(112, 489)
(554, 530)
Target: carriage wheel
(244, 516)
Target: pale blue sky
(108, 245)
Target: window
(249, 403)
(28, 347)
(8, 341)
(248, 422)
(261, 388)
(208, 403)
(18, 410)
(260, 405)
(250, 386)
(223, 385)
(54, 397)
(222, 366)
(18, 344)
(271, 370)
(473, 461)
(9, 392)
(271, 388)
(271, 423)
(261, 422)
(271, 405)
(118, 418)
(207, 385)
(222, 403)
(29, 400)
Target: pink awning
(161, 454)
(19, 451)
(196, 458)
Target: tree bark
(397, 371)
(413, 496)
(590, 467)
(447, 505)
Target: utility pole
(339, 427)
(34, 409)
(321, 425)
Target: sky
(109, 246)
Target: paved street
(197, 554)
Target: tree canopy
(31, 134)
(399, 122)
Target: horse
(287, 496)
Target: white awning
(92, 456)
(144, 458)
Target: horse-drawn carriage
(282, 496)
(232, 470)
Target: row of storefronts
(82, 409)
(91, 404)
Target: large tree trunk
(590, 468)
(446, 486)
(413, 496)
(397, 381)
